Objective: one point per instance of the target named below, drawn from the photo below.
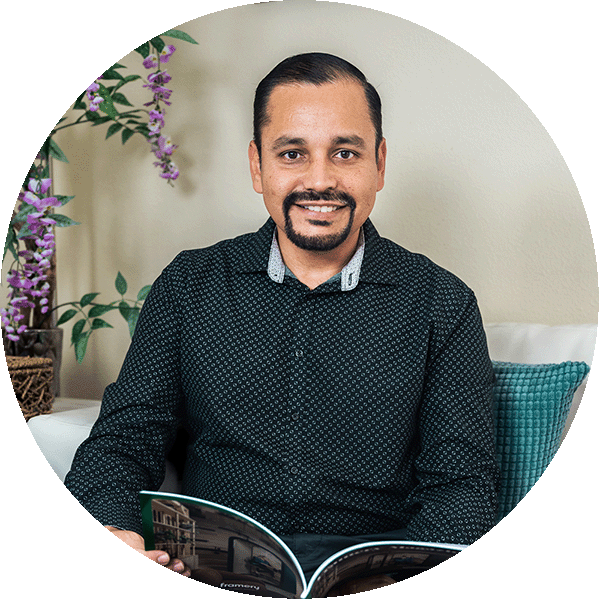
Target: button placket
(299, 355)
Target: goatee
(318, 243)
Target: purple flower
(39, 186)
(166, 53)
(28, 281)
(151, 62)
(159, 78)
(22, 302)
(165, 146)
(161, 94)
(40, 203)
(156, 122)
(170, 172)
(94, 97)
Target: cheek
(277, 187)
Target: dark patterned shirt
(327, 411)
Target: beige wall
(474, 181)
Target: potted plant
(30, 321)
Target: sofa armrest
(59, 434)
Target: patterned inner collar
(349, 274)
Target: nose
(320, 175)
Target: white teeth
(324, 209)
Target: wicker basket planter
(32, 381)
(43, 343)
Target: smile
(322, 209)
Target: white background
(544, 548)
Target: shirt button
(299, 354)
(295, 416)
(294, 470)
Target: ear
(381, 156)
(255, 171)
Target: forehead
(303, 107)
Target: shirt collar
(349, 275)
(378, 264)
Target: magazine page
(400, 560)
(221, 546)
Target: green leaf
(11, 243)
(124, 309)
(132, 321)
(21, 216)
(111, 74)
(144, 50)
(121, 284)
(107, 106)
(180, 35)
(118, 66)
(81, 346)
(55, 151)
(130, 78)
(100, 120)
(143, 293)
(100, 324)
(44, 152)
(87, 299)
(130, 314)
(120, 99)
(113, 129)
(66, 316)
(92, 116)
(64, 199)
(79, 103)
(76, 331)
(24, 232)
(158, 44)
(100, 309)
(64, 221)
(126, 134)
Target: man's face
(319, 172)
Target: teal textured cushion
(532, 403)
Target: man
(336, 387)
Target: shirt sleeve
(455, 496)
(125, 451)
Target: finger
(176, 565)
(179, 567)
(158, 556)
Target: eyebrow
(343, 140)
(350, 140)
(284, 140)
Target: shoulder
(244, 253)
(395, 265)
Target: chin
(324, 241)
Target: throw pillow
(531, 404)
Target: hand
(136, 541)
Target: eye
(345, 154)
(291, 155)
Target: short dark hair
(316, 68)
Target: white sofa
(59, 434)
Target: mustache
(312, 196)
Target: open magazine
(227, 549)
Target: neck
(312, 268)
